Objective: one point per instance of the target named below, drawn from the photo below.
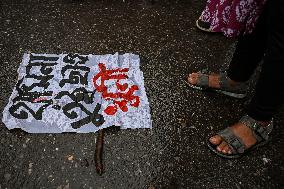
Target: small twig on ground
(99, 152)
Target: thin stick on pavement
(99, 152)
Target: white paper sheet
(78, 93)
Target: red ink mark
(122, 87)
(110, 110)
(120, 99)
(122, 105)
(40, 99)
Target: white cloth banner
(78, 93)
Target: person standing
(265, 42)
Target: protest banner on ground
(78, 93)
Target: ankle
(233, 83)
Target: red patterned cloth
(232, 17)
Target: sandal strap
(235, 143)
(261, 133)
(203, 80)
(224, 81)
(224, 84)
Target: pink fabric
(232, 17)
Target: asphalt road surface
(171, 155)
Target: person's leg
(248, 54)
(270, 87)
(269, 94)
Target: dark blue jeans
(267, 43)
